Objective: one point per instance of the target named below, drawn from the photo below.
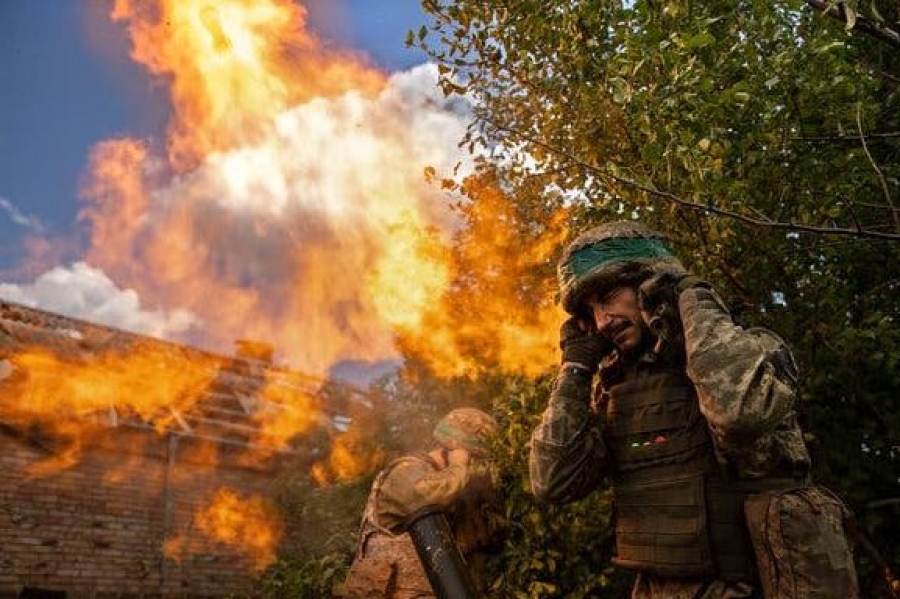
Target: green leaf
(700, 40)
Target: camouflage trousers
(651, 587)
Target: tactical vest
(677, 514)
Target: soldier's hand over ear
(581, 345)
(658, 301)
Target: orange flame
(66, 394)
(232, 65)
(289, 206)
(300, 216)
(246, 524)
(69, 397)
(502, 312)
(352, 455)
(142, 382)
(289, 409)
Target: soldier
(456, 479)
(690, 418)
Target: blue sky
(67, 83)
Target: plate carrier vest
(677, 513)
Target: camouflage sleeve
(746, 379)
(568, 456)
(441, 488)
(413, 484)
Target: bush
(309, 579)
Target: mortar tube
(440, 556)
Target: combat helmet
(608, 256)
(466, 428)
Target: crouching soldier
(428, 516)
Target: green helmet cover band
(608, 251)
(452, 432)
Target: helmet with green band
(466, 428)
(609, 256)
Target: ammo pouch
(387, 566)
(799, 537)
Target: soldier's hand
(658, 302)
(458, 456)
(581, 344)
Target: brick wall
(96, 528)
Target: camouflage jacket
(746, 381)
(410, 484)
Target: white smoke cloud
(333, 172)
(337, 157)
(86, 293)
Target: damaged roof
(226, 399)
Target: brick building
(104, 502)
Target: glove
(658, 301)
(582, 347)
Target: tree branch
(836, 10)
(858, 231)
(884, 185)
(850, 138)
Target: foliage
(763, 138)
(320, 535)
(303, 579)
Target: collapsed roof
(48, 361)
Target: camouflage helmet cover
(466, 428)
(608, 256)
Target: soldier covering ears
(690, 418)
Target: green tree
(764, 138)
